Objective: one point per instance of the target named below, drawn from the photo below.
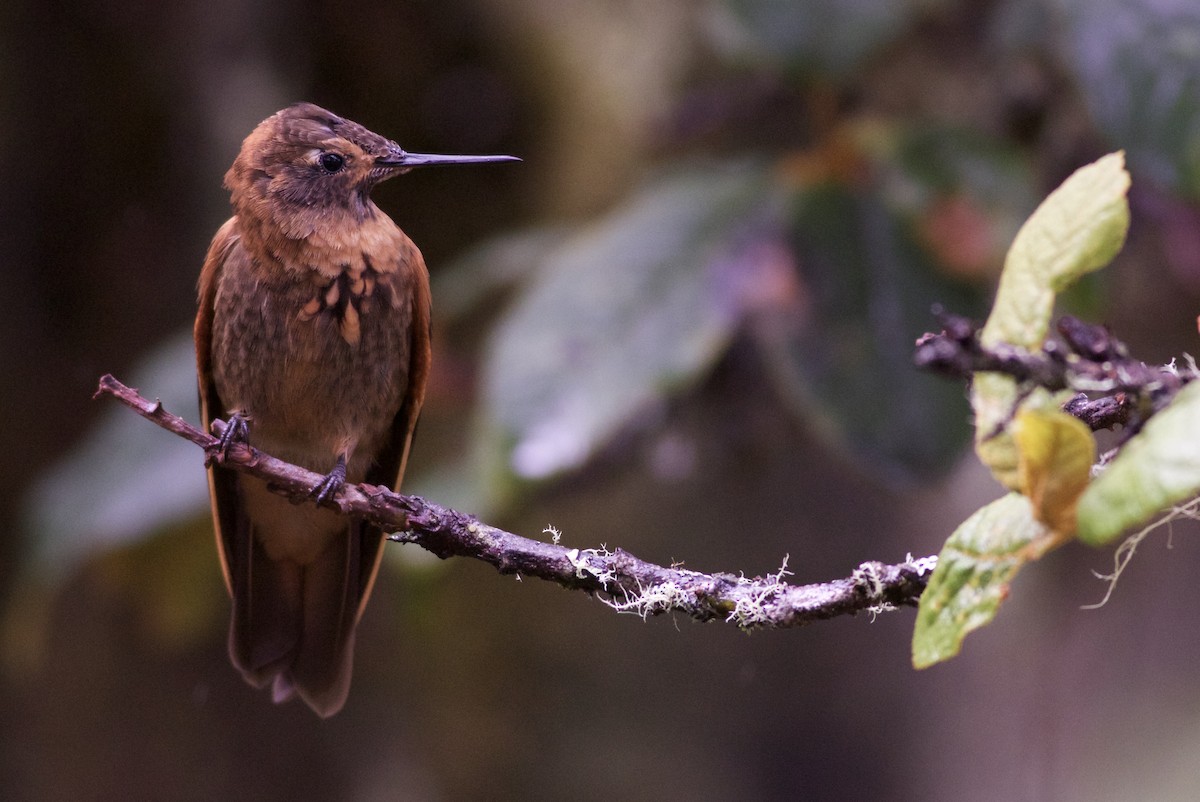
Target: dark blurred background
(682, 326)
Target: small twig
(1111, 387)
(629, 584)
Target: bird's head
(304, 163)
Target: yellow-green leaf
(994, 398)
(1159, 467)
(1056, 452)
(973, 574)
(1077, 229)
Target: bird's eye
(331, 162)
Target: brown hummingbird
(312, 340)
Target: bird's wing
(221, 484)
(388, 469)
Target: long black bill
(409, 160)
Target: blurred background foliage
(682, 326)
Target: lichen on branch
(623, 581)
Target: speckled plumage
(314, 326)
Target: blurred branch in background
(624, 582)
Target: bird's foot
(328, 487)
(236, 430)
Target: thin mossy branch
(618, 578)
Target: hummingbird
(313, 343)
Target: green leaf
(625, 312)
(1077, 229)
(968, 194)
(843, 363)
(821, 36)
(889, 219)
(973, 574)
(1159, 467)
(1137, 64)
